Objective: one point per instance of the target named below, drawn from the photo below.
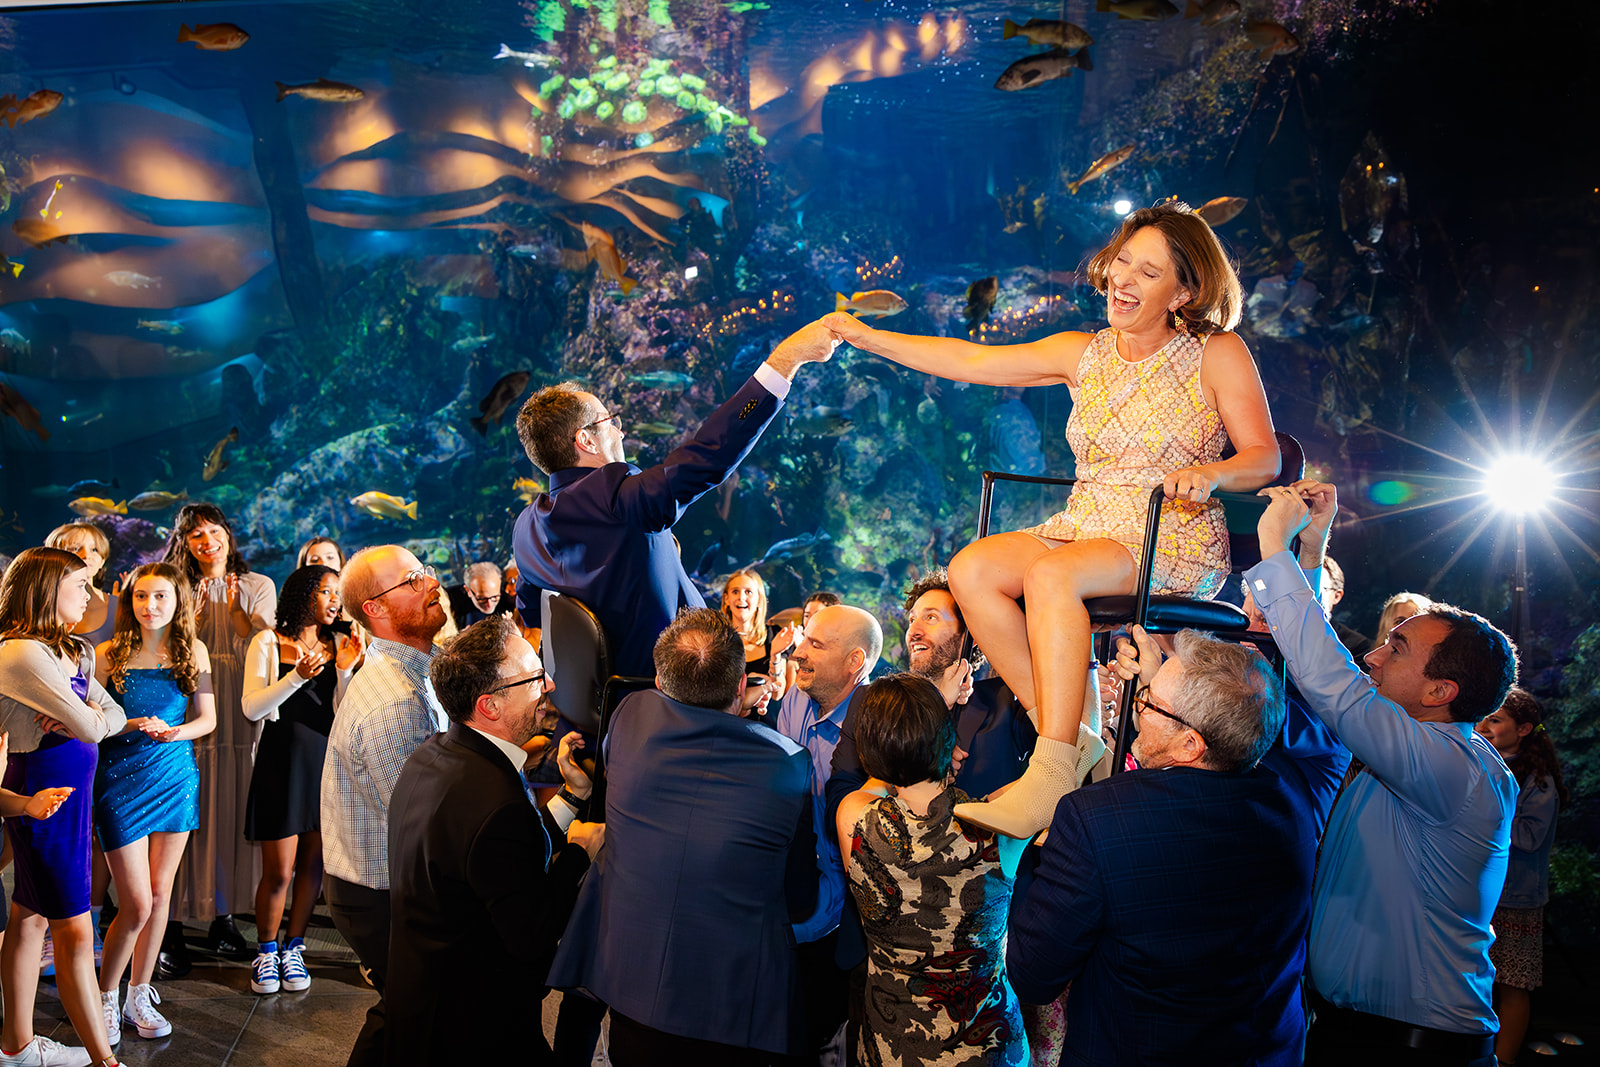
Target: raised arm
(1051, 360)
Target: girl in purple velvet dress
(55, 714)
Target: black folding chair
(1167, 613)
(576, 652)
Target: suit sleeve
(528, 904)
(846, 774)
(1057, 927)
(655, 499)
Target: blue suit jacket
(1176, 901)
(604, 534)
(682, 923)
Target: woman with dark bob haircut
(231, 605)
(933, 893)
(1156, 397)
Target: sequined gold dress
(1132, 424)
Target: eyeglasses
(1143, 703)
(483, 601)
(537, 676)
(418, 581)
(615, 416)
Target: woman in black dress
(294, 675)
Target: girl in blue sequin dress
(146, 788)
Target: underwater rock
(1281, 308)
(311, 493)
(134, 542)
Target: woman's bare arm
(1232, 387)
(1051, 360)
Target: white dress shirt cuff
(772, 381)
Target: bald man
(840, 647)
(388, 711)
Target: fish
(44, 212)
(40, 233)
(1222, 209)
(37, 105)
(529, 59)
(90, 506)
(27, 416)
(796, 546)
(467, 344)
(1271, 38)
(822, 421)
(1048, 31)
(328, 92)
(654, 429)
(503, 394)
(383, 506)
(1213, 12)
(132, 279)
(92, 485)
(166, 326)
(526, 489)
(8, 265)
(664, 379)
(602, 249)
(980, 301)
(155, 500)
(216, 37)
(1141, 10)
(215, 464)
(1100, 166)
(523, 251)
(879, 303)
(1037, 69)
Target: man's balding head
(700, 660)
(840, 647)
(374, 589)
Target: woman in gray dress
(219, 875)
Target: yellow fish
(603, 250)
(384, 506)
(215, 464)
(880, 303)
(526, 489)
(89, 506)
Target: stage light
(1122, 207)
(1519, 484)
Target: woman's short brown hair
(1216, 299)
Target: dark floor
(217, 1019)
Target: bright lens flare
(1519, 484)
(1122, 207)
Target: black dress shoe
(227, 941)
(173, 960)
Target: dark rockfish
(980, 301)
(1033, 70)
(329, 92)
(1142, 10)
(1100, 166)
(1213, 12)
(500, 398)
(1049, 31)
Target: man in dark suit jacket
(682, 926)
(1175, 898)
(477, 905)
(478, 596)
(603, 532)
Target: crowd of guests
(786, 859)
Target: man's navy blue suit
(1177, 902)
(604, 534)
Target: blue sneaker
(292, 966)
(264, 974)
(47, 959)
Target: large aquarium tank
(282, 256)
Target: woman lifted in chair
(1156, 397)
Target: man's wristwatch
(577, 804)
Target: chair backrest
(574, 649)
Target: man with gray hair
(1175, 898)
(477, 597)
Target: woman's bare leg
(307, 883)
(130, 870)
(166, 850)
(986, 578)
(272, 893)
(19, 974)
(1055, 585)
(75, 982)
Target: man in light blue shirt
(1415, 851)
(840, 647)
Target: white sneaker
(42, 1052)
(108, 1008)
(140, 1011)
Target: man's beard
(419, 624)
(938, 659)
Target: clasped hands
(1305, 509)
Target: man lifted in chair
(603, 532)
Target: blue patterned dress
(144, 786)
